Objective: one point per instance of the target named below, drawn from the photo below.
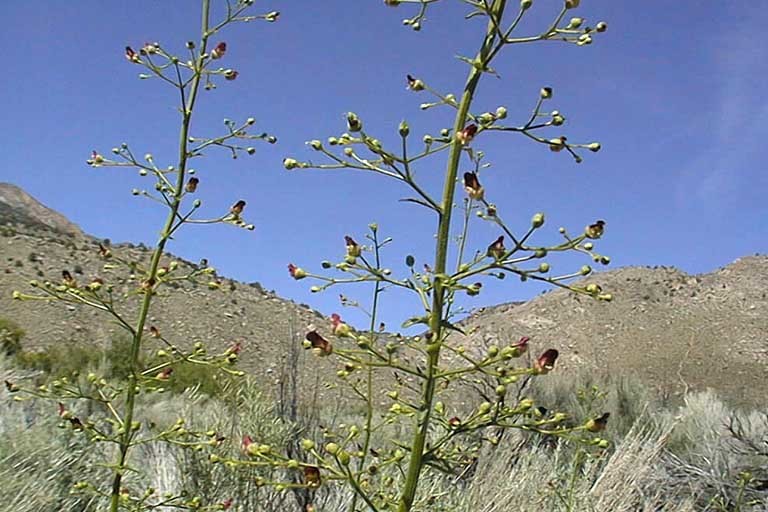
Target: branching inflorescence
(444, 438)
(113, 402)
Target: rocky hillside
(20, 208)
(673, 330)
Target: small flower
(340, 329)
(472, 186)
(219, 51)
(164, 374)
(290, 163)
(149, 48)
(312, 476)
(545, 93)
(353, 122)
(96, 159)
(466, 135)
(546, 362)
(595, 231)
(69, 281)
(414, 84)
(598, 424)
(237, 208)
(154, 331)
(454, 422)
(104, 252)
(131, 55)
(496, 250)
(321, 345)
(521, 347)
(557, 144)
(192, 184)
(572, 4)
(230, 74)
(353, 249)
(272, 16)
(296, 272)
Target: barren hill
(673, 330)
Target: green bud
(594, 147)
(293, 464)
(344, 458)
(440, 408)
(601, 26)
(428, 139)
(575, 22)
(501, 113)
(586, 270)
(544, 268)
(545, 93)
(537, 221)
(501, 390)
(493, 351)
(404, 129)
(307, 444)
(353, 122)
(525, 4)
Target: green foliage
(10, 337)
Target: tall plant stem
(188, 104)
(416, 462)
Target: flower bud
(466, 135)
(307, 444)
(601, 26)
(404, 129)
(296, 272)
(231, 74)
(501, 113)
(595, 230)
(594, 147)
(332, 448)
(557, 119)
(192, 184)
(575, 23)
(572, 4)
(290, 163)
(545, 93)
(316, 145)
(544, 268)
(525, 4)
(353, 122)
(537, 220)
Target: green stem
(416, 462)
(130, 402)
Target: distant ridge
(19, 207)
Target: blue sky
(671, 91)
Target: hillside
(673, 330)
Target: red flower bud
(164, 374)
(296, 272)
(154, 331)
(521, 346)
(339, 327)
(598, 424)
(415, 84)
(231, 74)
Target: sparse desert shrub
(10, 337)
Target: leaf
(452, 327)
(415, 320)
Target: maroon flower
(414, 84)
(318, 342)
(192, 184)
(312, 476)
(466, 135)
(598, 424)
(69, 281)
(496, 250)
(546, 362)
(521, 346)
(472, 186)
(237, 208)
(231, 74)
(353, 249)
(219, 51)
(296, 272)
(595, 230)
(339, 327)
(226, 504)
(131, 55)
(454, 422)
(164, 374)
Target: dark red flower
(496, 250)
(237, 208)
(219, 51)
(472, 186)
(546, 362)
(353, 249)
(192, 184)
(466, 135)
(319, 342)
(296, 272)
(131, 55)
(312, 476)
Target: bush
(10, 337)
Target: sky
(671, 91)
